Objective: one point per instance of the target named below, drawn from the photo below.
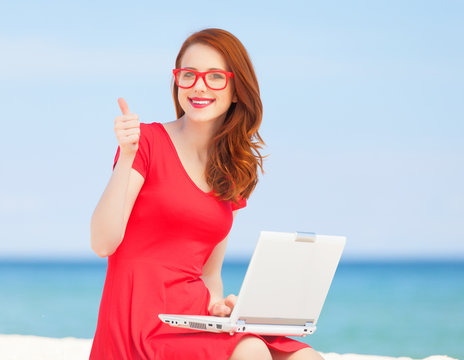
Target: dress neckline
(171, 143)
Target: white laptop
(284, 289)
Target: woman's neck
(196, 135)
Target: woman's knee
(251, 347)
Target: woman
(164, 216)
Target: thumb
(123, 106)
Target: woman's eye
(187, 74)
(217, 76)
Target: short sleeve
(142, 157)
(242, 202)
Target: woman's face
(214, 103)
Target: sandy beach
(22, 347)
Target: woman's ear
(235, 98)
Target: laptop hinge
(306, 236)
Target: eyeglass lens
(214, 80)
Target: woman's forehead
(203, 58)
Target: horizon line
(240, 259)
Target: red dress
(172, 230)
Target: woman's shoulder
(157, 127)
(150, 127)
(155, 136)
(151, 131)
(151, 144)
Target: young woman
(165, 214)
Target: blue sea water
(411, 309)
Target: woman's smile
(198, 102)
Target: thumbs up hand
(127, 130)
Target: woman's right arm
(110, 217)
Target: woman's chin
(203, 118)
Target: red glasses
(215, 80)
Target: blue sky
(363, 117)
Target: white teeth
(201, 102)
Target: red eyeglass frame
(203, 74)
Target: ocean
(406, 308)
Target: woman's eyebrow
(210, 69)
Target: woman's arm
(110, 217)
(211, 276)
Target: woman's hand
(223, 307)
(127, 130)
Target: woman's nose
(200, 85)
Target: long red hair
(234, 157)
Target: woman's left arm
(218, 306)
